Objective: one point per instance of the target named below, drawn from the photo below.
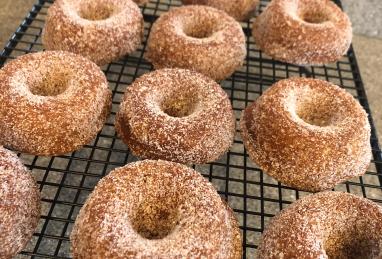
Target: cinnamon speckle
(19, 204)
(198, 127)
(36, 117)
(102, 30)
(240, 9)
(325, 225)
(199, 38)
(308, 134)
(108, 226)
(303, 32)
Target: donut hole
(314, 12)
(96, 11)
(199, 32)
(50, 84)
(181, 105)
(317, 110)
(200, 27)
(315, 17)
(352, 244)
(155, 217)
(315, 116)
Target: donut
(325, 225)
(51, 102)
(155, 209)
(19, 204)
(307, 133)
(198, 38)
(240, 10)
(101, 30)
(303, 32)
(176, 115)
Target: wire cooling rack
(65, 181)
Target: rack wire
(65, 181)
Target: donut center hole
(315, 17)
(199, 27)
(95, 12)
(317, 110)
(155, 218)
(179, 106)
(50, 84)
(352, 244)
(199, 32)
(355, 249)
(315, 116)
(314, 11)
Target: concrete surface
(369, 54)
(365, 16)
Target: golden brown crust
(199, 38)
(237, 241)
(19, 204)
(325, 225)
(308, 134)
(101, 30)
(303, 32)
(176, 115)
(52, 102)
(155, 209)
(240, 10)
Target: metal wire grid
(65, 181)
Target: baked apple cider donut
(176, 115)
(101, 30)
(303, 32)
(325, 225)
(51, 102)
(155, 209)
(198, 38)
(240, 9)
(19, 204)
(308, 134)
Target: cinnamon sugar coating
(19, 204)
(325, 225)
(198, 38)
(176, 115)
(240, 10)
(308, 134)
(155, 209)
(51, 102)
(303, 32)
(101, 30)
